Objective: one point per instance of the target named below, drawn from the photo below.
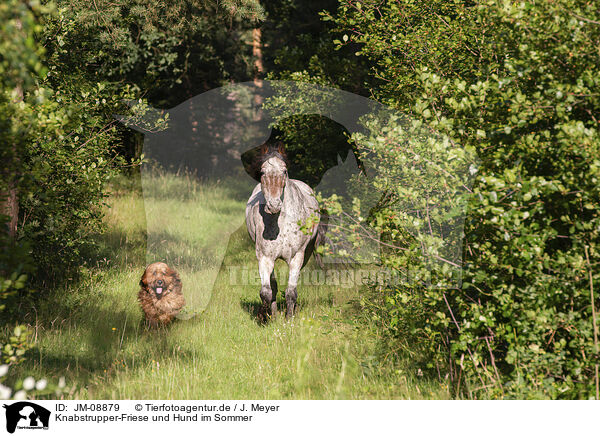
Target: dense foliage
(20, 69)
(172, 50)
(67, 69)
(518, 83)
(60, 139)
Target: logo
(26, 415)
(419, 175)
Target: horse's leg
(291, 293)
(265, 269)
(274, 295)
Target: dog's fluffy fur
(160, 295)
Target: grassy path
(92, 332)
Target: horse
(274, 212)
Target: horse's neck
(287, 204)
(292, 206)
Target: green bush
(516, 82)
(66, 161)
(58, 140)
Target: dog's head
(160, 280)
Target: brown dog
(160, 295)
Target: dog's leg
(265, 268)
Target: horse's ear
(264, 149)
(281, 148)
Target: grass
(92, 332)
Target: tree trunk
(258, 62)
(9, 199)
(9, 206)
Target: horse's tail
(321, 239)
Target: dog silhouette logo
(421, 176)
(26, 415)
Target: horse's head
(273, 176)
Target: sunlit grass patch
(92, 331)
